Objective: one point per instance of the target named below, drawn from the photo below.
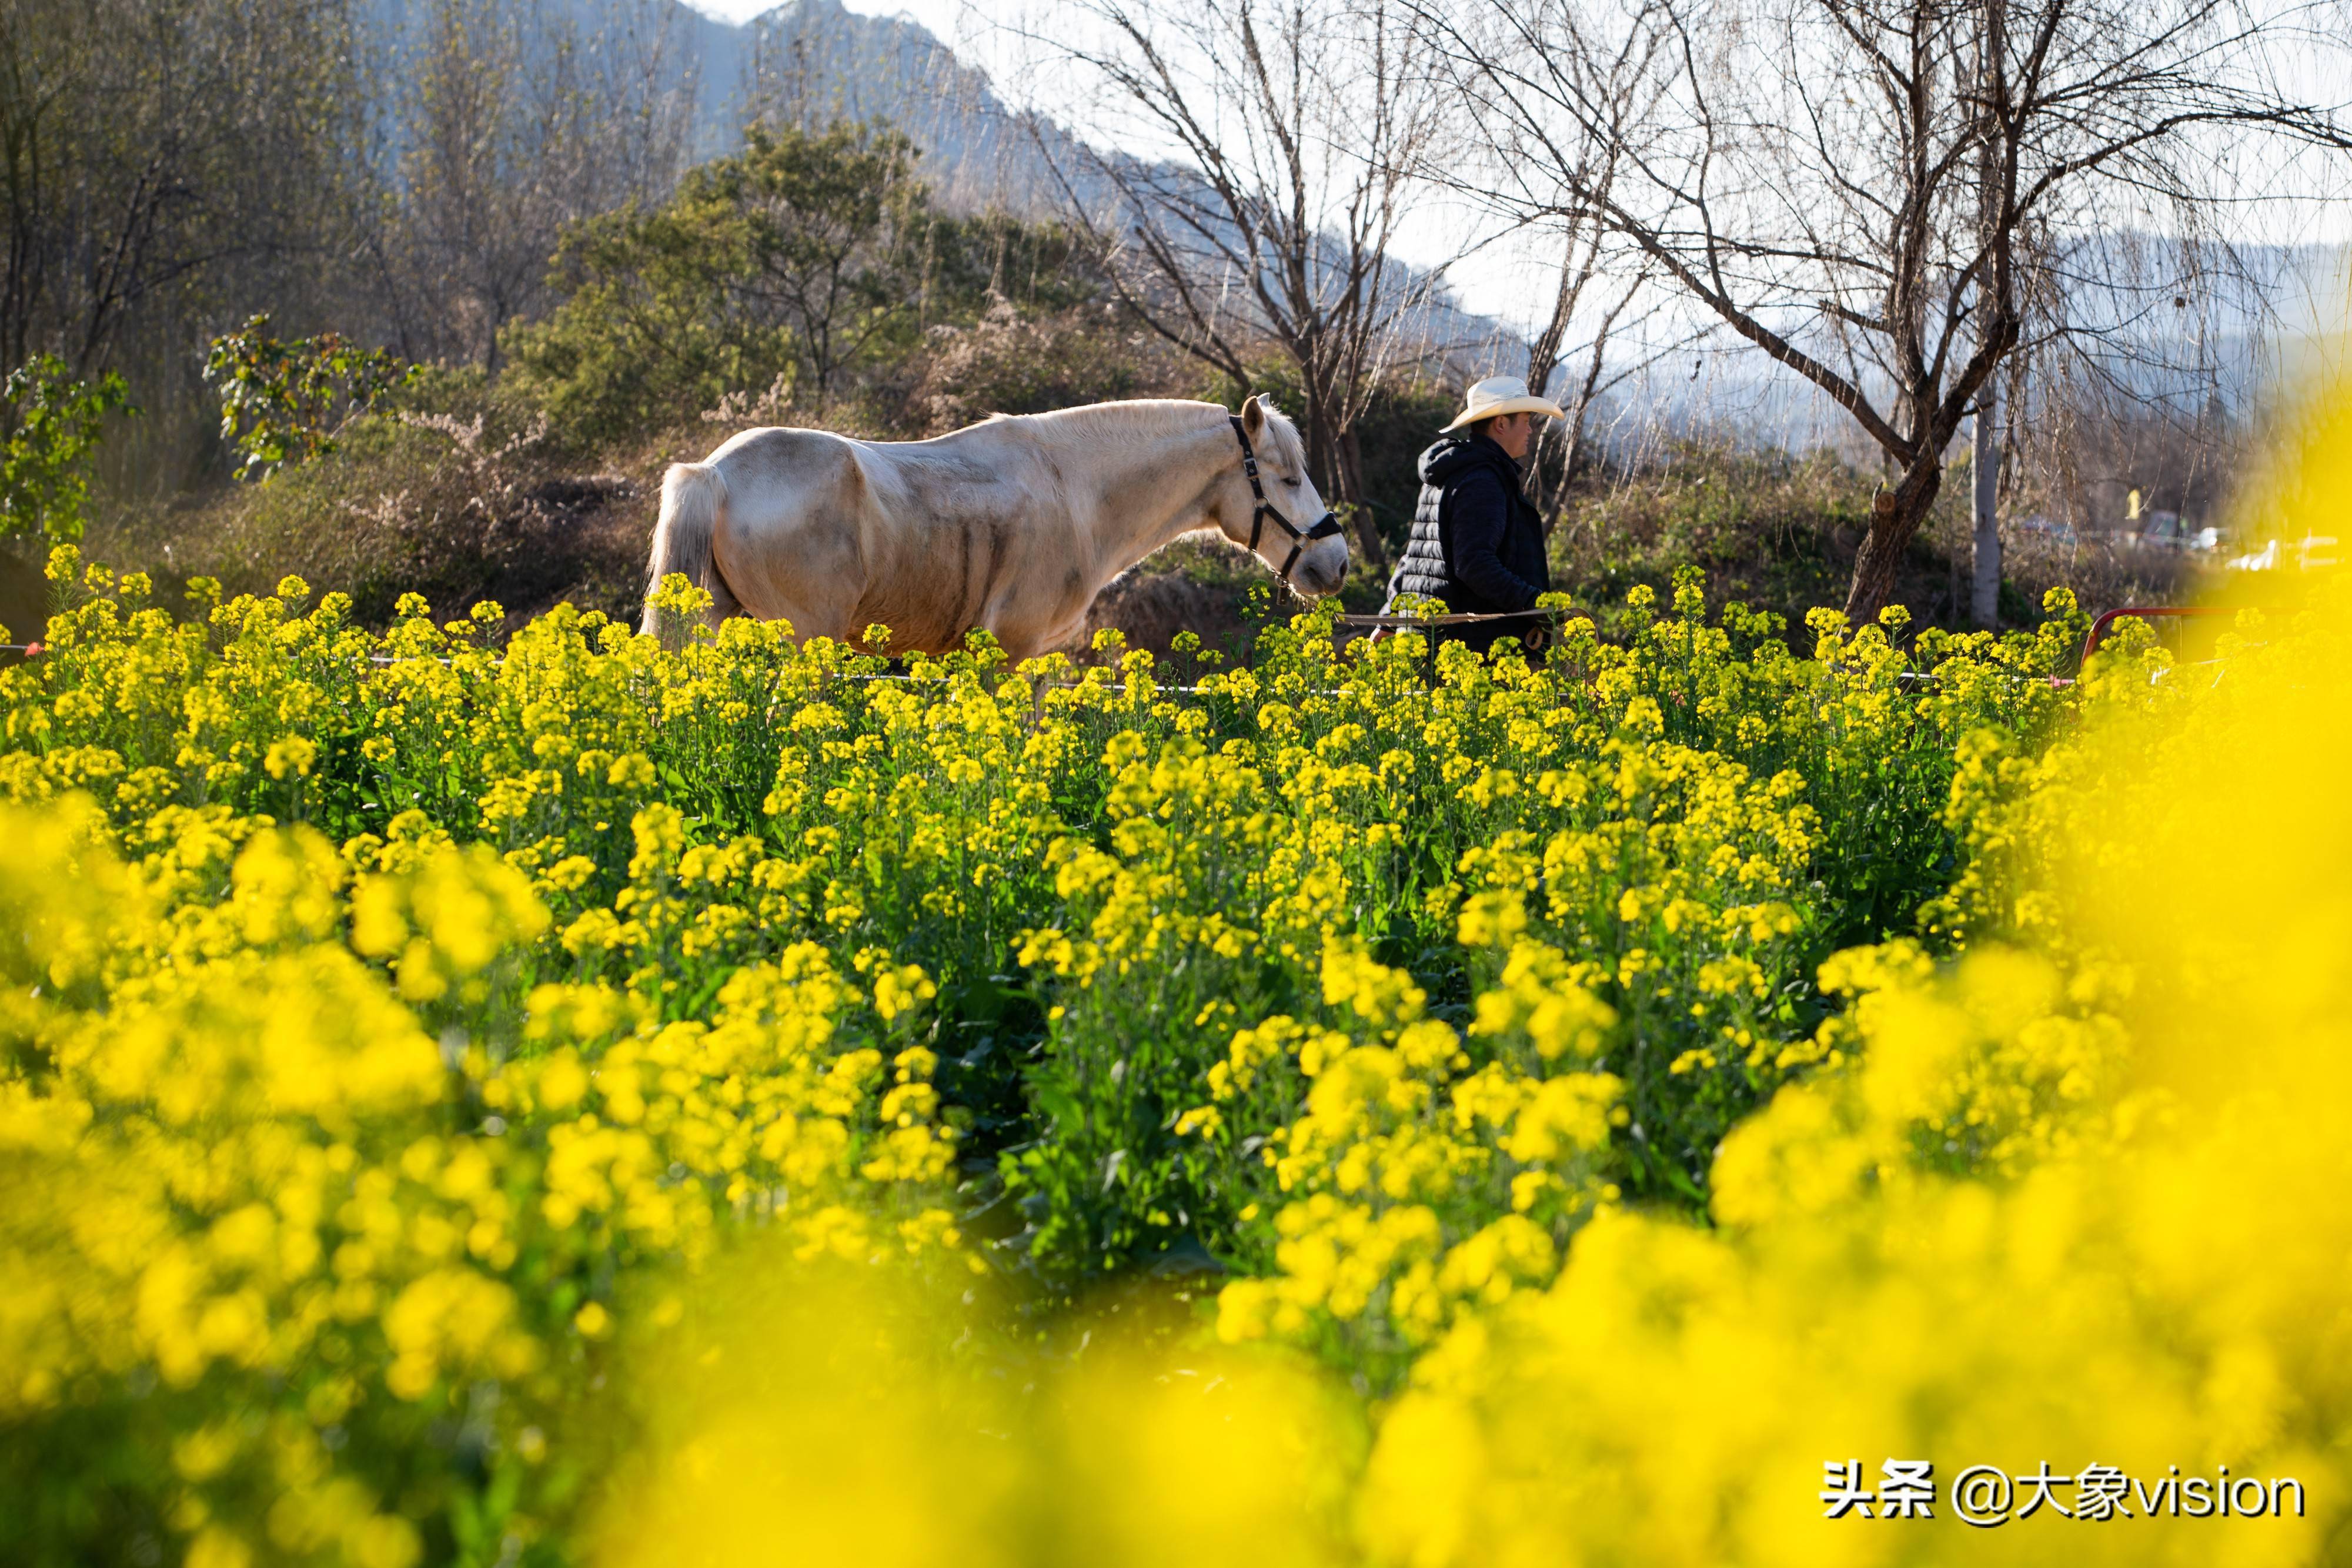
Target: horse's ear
(1254, 414)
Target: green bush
(789, 269)
(54, 420)
(285, 402)
(786, 260)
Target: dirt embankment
(24, 596)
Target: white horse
(1012, 525)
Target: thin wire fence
(1378, 625)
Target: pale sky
(938, 16)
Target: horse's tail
(694, 498)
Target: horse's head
(1282, 517)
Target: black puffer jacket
(1476, 543)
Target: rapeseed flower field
(584, 1100)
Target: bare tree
(145, 150)
(1593, 256)
(515, 121)
(167, 169)
(1589, 266)
(1984, 503)
(1603, 286)
(1984, 534)
(1868, 190)
(1292, 130)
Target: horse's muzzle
(1313, 579)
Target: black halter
(1265, 508)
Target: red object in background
(32, 650)
(2150, 612)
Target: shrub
(1012, 362)
(286, 403)
(53, 421)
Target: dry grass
(1779, 531)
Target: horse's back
(980, 466)
(784, 460)
(928, 538)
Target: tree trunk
(1336, 461)
(1984, 467)
(1322, 454)
(1349, 452)
(1984, 595)
(1550, 500)
(1895, 515)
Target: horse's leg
(723, 601)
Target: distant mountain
(677, 43)
(814, 61)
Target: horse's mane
(1142, 419)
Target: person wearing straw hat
(1478, 544)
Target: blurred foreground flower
(2084, 1198)
(829, 1413)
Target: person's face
(1514, 433)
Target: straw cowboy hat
(1500, 395)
